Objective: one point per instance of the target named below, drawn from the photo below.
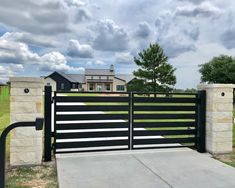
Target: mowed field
(5, 117)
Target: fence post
(47, 129)
(201, 121)
(26, 144)
(219, 117)
(130, 121)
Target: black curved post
(47, 127)
(38, 124)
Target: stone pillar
(219, 117)
(25, 105)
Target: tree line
(155, 74)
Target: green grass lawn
(33, 176)
(234, 128)
(81, 94)
(5, 118)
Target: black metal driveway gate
(85, 121)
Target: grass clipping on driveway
(43, 176)
(228, 159)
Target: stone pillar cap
(203, 86)
(26, 79)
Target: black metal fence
(85, 121)
(166, 120)
(106, 118)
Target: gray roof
(80, 78)
(74, 77)
(66, 76)
(77, 77)
(126, 77)
(103, 72)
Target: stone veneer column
(219, 117)
(26, 142)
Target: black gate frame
(49, 144)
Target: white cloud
(124, 58)
(28, 38)
(176, 45)
(44, 17)
(75, 49)
(9, 70)
(95, 63)
(41, 29)
(4, 73)
(109, 36)
(228, 38)
(76, 3)
(16, 52)
(143, 30)
(99, 62)
(205, 9)
(82, 14)
(16, 67)
(193, 1)
(192, 32)
(12, 52)
(176, 37)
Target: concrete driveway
(164, 168)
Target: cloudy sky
(38, 37)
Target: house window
(91, 87)
(74, 86)
(107, 86)
(92, 77)
(62, 86)
(99, 87)
(120, 87)
(107, 78)
(99, 77)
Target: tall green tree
(219, 70)
(154, 73)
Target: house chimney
(111, 68)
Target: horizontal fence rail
(92, 117)
(164, 100)
(92, 99)
(163, 124)
(91, 108)
(106, 125)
